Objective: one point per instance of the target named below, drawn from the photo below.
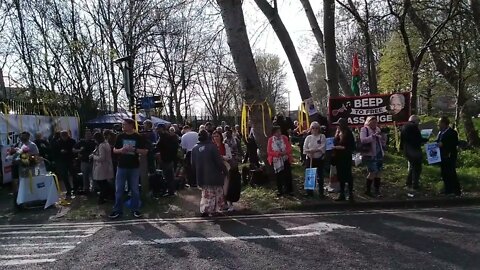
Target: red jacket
(271, 154)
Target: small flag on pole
(355, 75)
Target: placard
(310, 106)
(389, 109)
(426, 133)
(329, 144)
(310, 178)
(433, 153)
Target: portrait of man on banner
(398, 107)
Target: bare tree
(271, 12)
(317, 32)
(455, 77)
(272, 77)
(233, 19)
(475, 6)
(364, 24)
(415, 58)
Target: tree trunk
(414, 90)
(276, 22)
(331, 69)
(372, 70)
(475, 6)
(317, 32)
(232, 16)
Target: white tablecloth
(39, 188)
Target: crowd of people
(114, 163)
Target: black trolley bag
(158, 185)
(235, 186)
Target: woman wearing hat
(342, 157)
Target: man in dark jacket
(448, 141)
(166, 149)
(84, 148)
(63, 149)
(411, 143)
(207, 162)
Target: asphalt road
(395, 239)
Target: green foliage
(394, 68)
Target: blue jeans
(132, 176)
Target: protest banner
(388, 108)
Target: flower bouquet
(25, 161)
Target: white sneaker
(231, 209)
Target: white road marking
(39, 244)
(217, 239)
(17, 256)
(320, 226)
(36, 253)
(40, 232)
(45, 237)
(38, 247)
(101, 224)
(23, 262)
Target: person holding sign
(447, 140)
(314, 149)
(374, 143)
(279, 151)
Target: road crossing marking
(317, 228)
(23, 262)
(16, 248)
(101, 224)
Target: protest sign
(310, 106)
(433, 153)
(426, 133)
(389, 108)
(329, 143)
(310, 178)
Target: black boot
(376, 183)
(368, 189)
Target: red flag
(355, 66)
(355, 75)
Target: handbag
(310, 177)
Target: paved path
(394, 239)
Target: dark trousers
(169, 174)
(191, 176)
(449, 176)
(317, 163)
(64, 171)
(105, 190)
(284, 179)
(344, 174)
(414, 172)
